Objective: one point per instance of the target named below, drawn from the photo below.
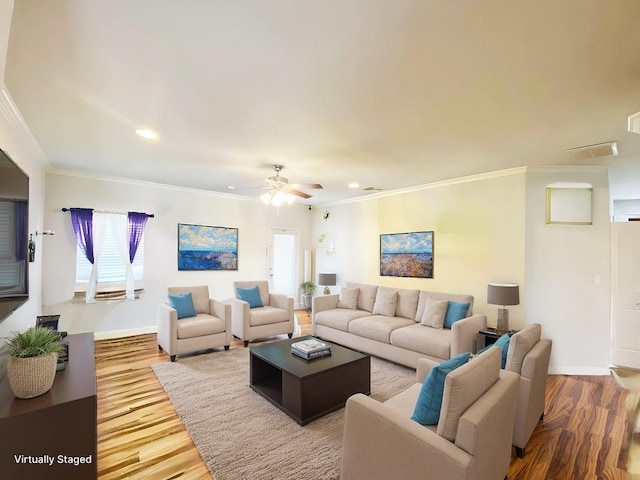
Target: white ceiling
(386, 93)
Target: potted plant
(308, 289)
(33, 355)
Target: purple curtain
(21, 213)
(82, 221)
(137, 222)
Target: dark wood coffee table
(308, 389)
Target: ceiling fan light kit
(281, 191)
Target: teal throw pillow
(183, 305)
(503, 343)
(427, 409)
(251, 296)
(455, 311)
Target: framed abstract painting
(406, 254)
(201, 247)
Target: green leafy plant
(34, 342)
(308, 288)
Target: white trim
(427, 186)
(125, 333)
(579, 371)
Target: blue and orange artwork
(406, 254)
(201, 247)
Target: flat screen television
(14, 233)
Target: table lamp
(503, 294)
(327, 279)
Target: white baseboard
(125, 333)
(579, 371)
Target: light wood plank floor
(584, 433)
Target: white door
(625, 294)
(283, 261)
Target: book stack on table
(311, 348)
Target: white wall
(478, 225)
(170, 206)
(562, 262)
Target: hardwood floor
(584, 434)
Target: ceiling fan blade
(307, 185)
(299, 193)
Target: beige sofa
(472, 439)
(373, 323)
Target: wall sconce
(32, 245)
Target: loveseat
(401, 325)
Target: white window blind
(112, 272)
(9, 273)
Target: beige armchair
(275, 317)
(528, 356)
(472, 439)
(209, 328)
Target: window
(111, 268)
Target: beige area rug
(240, 435)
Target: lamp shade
(503, 294)
(327, 279)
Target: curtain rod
(150, 215)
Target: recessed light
(354, 185)
(231, 187)
(146, 133)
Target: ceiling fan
(280, 190)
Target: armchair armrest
(373, 434)
(463, 333)
(167, 327)
(221, 310)
(240, 316)
(279, 300)
(424, 367)
(324, 302)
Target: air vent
(607, 149)
(372, 189)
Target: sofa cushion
(366, 295)
(434, 342)
(199, 295)
(348, 298)
(183, 304)
(338, 318)
(455, 311)
(407, 303)
(520, 344)
(250, 295)
(378, 327)
(200, 325)
(268, 315)
(454, 297)
(427, 409)
(434, 313)
(386, 302)
(463, 387)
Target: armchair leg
(159, 347)
(173, 358)
(290, 334)
(246, 343)
(520, 452)
(226, 347)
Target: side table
(490, 335)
